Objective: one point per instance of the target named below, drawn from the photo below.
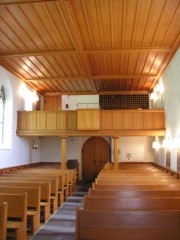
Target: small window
(2, 101)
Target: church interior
(89, 119)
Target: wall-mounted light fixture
(155, 143)
(35, 145)
(153, 96)
(159, 88)
(29, 97)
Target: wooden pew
(17, 214)
(26, 178)
(133, 193)
(3, 220)
(70, 177)
(132, 204)
(63, 183)
(33, 204)
(60, 176)
(45, 195)
(127, 225)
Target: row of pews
(136, 201)
(29, 196)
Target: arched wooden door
(95, 153)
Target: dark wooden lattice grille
(124, 101)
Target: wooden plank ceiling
(89, 46)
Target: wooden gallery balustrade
(91, 122)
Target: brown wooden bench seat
(138, 203)
(70, 181)
(3, 220)
(71, 176)
(60, 176)
(17, 214)
(45, 195)
(32, 178)
(63, 188)
(135, 181)
(134, 193)
(127, 225)
(136, 177)
(137, 186)
(33, 204)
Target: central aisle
(61, 226)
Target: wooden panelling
(138, 120)
(85, 122)
(71, 120)
(117, 120)
(87, 119)
(128, 120)
(31, 121)
(51, 121)
(41, 121)
(148, 120)
(52, 103)
(61, 121)
(159, 120)
(106, 120)
(22, 121)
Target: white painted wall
(20, 151)
(134, 149)
(171, 97)
(80, 101)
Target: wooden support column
(63, 152)
(116, 150)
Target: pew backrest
(32, 178)
(33, 195)
(128, 225)
(136, 186)
(45, 187)
(17, 205)
(133, 193)
(150, 203)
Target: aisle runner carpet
(61, 226)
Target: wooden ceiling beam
(131, 50)
(92, 51)
(99, 93)
(42, 53)
(109, 77)
(57, 79)
(97, 77)
(15, 2)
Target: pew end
(3, 220)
